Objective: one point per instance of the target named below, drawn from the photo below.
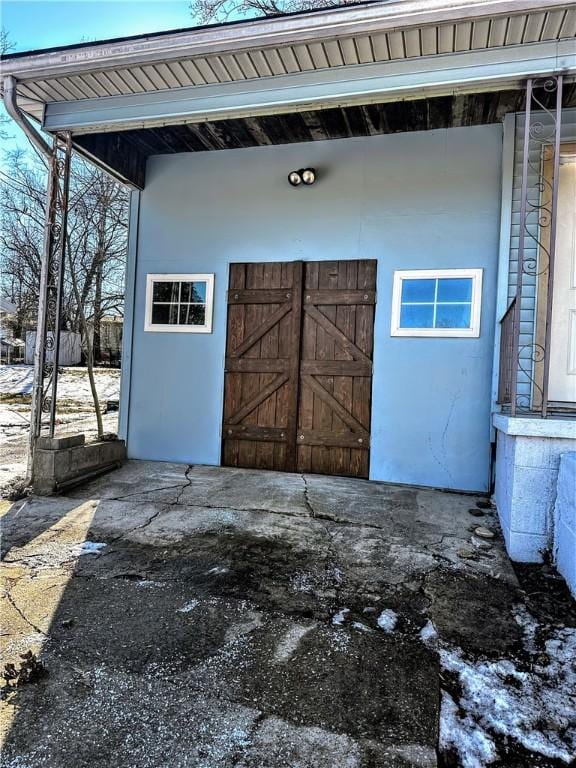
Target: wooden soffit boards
(317, 125)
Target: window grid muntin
(180, 310)
(434, 304)
(178, 303)
(474, 293)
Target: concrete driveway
(201, 616)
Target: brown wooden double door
(298, 373)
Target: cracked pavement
(186, 618)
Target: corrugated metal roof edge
(183, 30)
(391, 14)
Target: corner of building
(129, 304)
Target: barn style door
(336, 367)
(262, 353)
(299, 366)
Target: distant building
(70, 352)
(111, 339)
(11, 348)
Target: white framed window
(179, 303)
(437, 302)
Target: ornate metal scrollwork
(51, 289)
(538, 214)
(530, 352)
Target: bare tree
(5, 46)
(95, 253)
(207, 11)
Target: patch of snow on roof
(7, 307)
(387, 620)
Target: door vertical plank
(347, 276)
(268, 350)
(362, 385)
(251, 381)
(286, 277)
(327, 419)
(293, 383)
(308, 352)
(233, 382)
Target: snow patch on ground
(290, 642)
(387, 620)
(90, 548)
(533, 705)
(461, 733)
(188, 606)
(339, 618)
(75, 411)
(529, 627)
(428, 634)
(73, 382)
(8, 471)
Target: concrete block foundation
(528, 456)
(62, 462)
(564, 548)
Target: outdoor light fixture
(294, 178)
(303, 176)
(308, 175)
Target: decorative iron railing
(507, 367)
(50, 292)
(526, 327)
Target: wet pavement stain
(186, 623)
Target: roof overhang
(362, 54)
(468, 72)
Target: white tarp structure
(70, 348)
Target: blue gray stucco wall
(412, 200)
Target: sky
(35, 24)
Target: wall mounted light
(294, 178)
(305, 176)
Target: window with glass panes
(179, 302)
(429, 303)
